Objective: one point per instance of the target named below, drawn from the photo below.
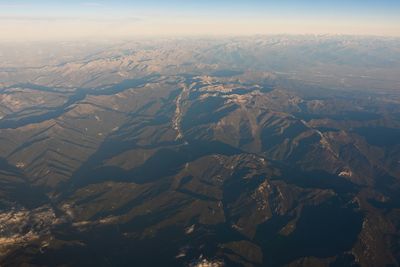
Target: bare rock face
(150, 154)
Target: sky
(56, 19)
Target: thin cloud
(35, 18)
(92, 4)
(66, 19)
(12, 6)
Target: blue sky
(301, 7)
(230, 17)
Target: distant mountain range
(264, 151)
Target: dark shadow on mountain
(78, 95)
(380, 136)
(316, 179)
(17, 189)
(323, 230)
(209, 110)
(226, 73)
(165, 162)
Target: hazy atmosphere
(38, 20)
(200, 133)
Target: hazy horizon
(208, 133)
(56, 20)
